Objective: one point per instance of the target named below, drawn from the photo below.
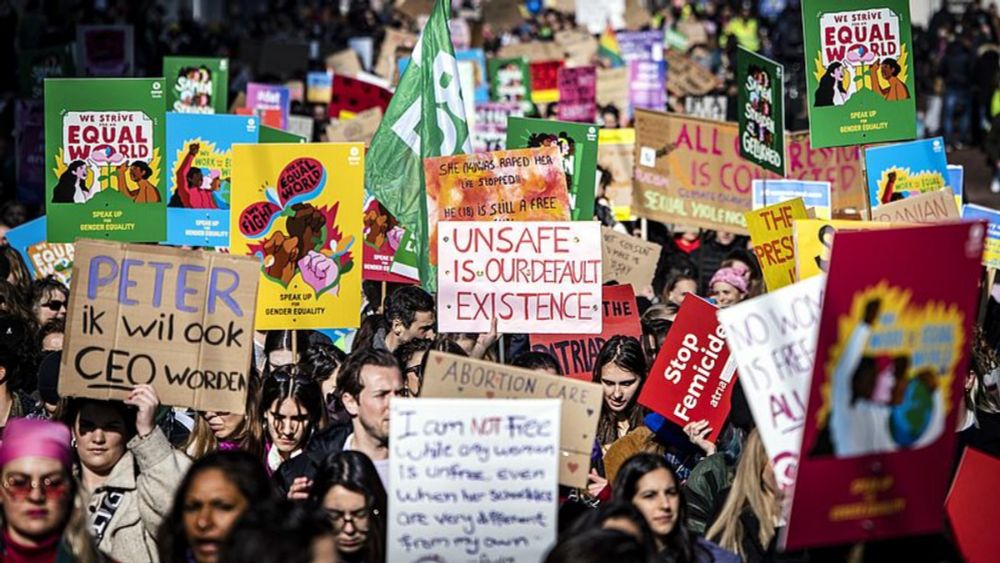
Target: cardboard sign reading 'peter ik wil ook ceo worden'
(178, 320)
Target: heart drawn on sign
(573, 466)
(489, 394)
(438, 359)
(590, 412)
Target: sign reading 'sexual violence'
(178, 320)
(542, 277)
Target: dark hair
(408, 349)
(320, 361)
(405, 303)
(536, 360)
(676, 278)
(891, 63)
(349, 379)
(143, 168)
(598, 546)
(282, 340)
(240, 468)
(13, 300)
(610, 511)
(75, 406)
(626, 353)
(276, 531)
(365, 335)
(355, 472)
(39, 288)
(18, 353)
(285, 382)
(824, 91)
(680, 542)
(65, 188)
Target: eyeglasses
(340, 519)
(19, 487)
(54, 306)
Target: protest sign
(196, 84)
(531, 51)
(489, 131)
(761, 110)
(891, 358)
(263, 97)
(930, 207)
(296, 207)
(596, 15)
(772, 339)
(688, 171)
(37, 65)
(693, 375)
(771, 233)
(350, 96)
(577, 353)
(815, 195)
(972, 503)
(539, 277)
(178, 320)
(518, 185)
(814, 238)
(394, 40)
(580, 47)
(510, 81)
(646, 81)
(545, 81)
(991, 253)
(859, 71)
(359, 129)
(614, 108)
(904, 170)
(578, 145)
(345, 62)
(840, 166)
(319, 87)
(383, 235)
(104, 142)
(688, 78)
(29, 144)
(473, 478)
(706, 107)
(615, 161)
(199, 167)
(42, 258)
(628, 259)
(270, 135)
(641, 45)
(578, 94)
(450, 376)
(301, 125)
(956, 181)
(105, 50)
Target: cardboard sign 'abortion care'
(541, 277)
(473, 477)
(771, 233)
(178, 320)
(693, 375)
(931, 207)
(891, 358)
(516, 185)
(577, 353)
(628, 259)
(859, 71)
(773, 339)
(449, 376)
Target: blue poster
(199, 160)
(42, 258)
(991, 253)
(813, 194)
(478, 59)
(956, 180)
(902, 170)
(641, 45)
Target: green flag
(425, 118)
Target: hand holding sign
(144, 398)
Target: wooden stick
(295, 345)
(381, 305)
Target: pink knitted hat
(35, 438)
(735, 277)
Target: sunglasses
(54, 306)
(19, 487)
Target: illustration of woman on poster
(139, 172)
(831, 90)
(72, 186)
(889, 71)
(189, 193)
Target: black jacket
(329, 441)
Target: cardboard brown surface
(361, 128)
(628, 259)
(686, 77)
(931, 207)
(344, 62)
(177, 319)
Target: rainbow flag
(608, 47)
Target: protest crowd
(681, 281)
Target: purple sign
(641, 45)
(29, 131)
(648, 85)
(270, 97)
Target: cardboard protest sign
(707, 107)
(859, 71)
(29, 144)
(578, 94)
(577, 353)
(359, 129)
(297, 208)
(473, 476)
(971, 506)
(393, 41)
(178, 320)
(991, 253)
(510, 81)
(533, 277)
(615, 161)
(383, 235)
(613, 98)
(37, 65)
(693, 375)
(42, 258)
(578, 145)
(772, 339)
(628, 259)
(345, 62)
(518, 185)
(904, 170)
(840, 166)
(196, 84)
(815, 195)
(814, 238)
(263, 97)
(449, 376)
(687, 171)
(350, 96)
(489, 131)
(687, 77)
(199, 164)
(545, 81)
(761, 109)
(771, 233)
(104, 169)
(579, 47)
(105, 50)
(891, 358)
(929, 207)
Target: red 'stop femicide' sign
(693, 375)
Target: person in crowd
(49, 298)
(648, 482)
(744, 260)
(128, 469)
(12, 301)
(215, 492)
(216, 430)
(44, 511)
(17, 364)
(48, 385)
(281, 531)
(18, 274)
(409, 314)
(410, 356)
(321, 362)
(598, 545)
(656, 324)
(709, 256)
(292, 410)
(687, 239)
(729, 286)
(349, 489)
(679, 285)
(620, 368)
(537, 361)
(617, 515)
(366, 383)
(51, 335)
(278, 348)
